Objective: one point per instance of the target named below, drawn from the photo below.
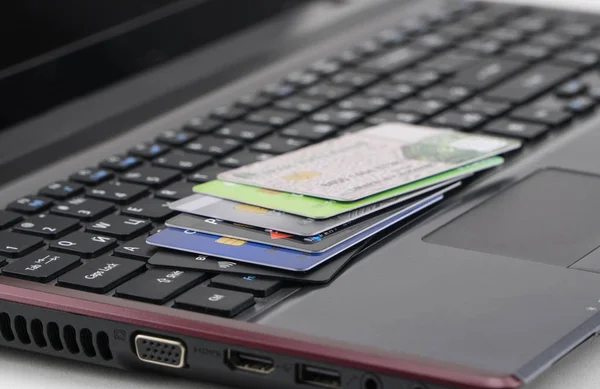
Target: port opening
(371, 381)
(318, 376)
(160, 351)
(253, 363)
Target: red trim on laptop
(249, 335)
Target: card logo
(225, 264)
(250, 208)
(301, 176)
(230, 241)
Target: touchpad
(553, 216)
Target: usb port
(318, 376)
(253, 363)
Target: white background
(19, 370)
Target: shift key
(528, 85)
(102, 274)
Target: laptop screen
(56, 50)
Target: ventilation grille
(51, 336)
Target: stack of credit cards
(300, 210)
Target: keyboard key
(581, 104)
(185, 162)
(354, 79)
(279, 90)
(421, 107)
(228, 113)
(175, 191)
(102, 274)
(273, 117)
(30, 205)
(434, 42)
(302, 78)
(336, 117)
(391, 36)
(533, 82)
(120, 227)
(418, 78)
(253, 101)
(550, 117)
(212, 145)
(149, 150)
(530, 52)
(486, 72)
(464, 121)
(136, 249)
(259, 287)
(244, 132)
(488, 108)
(152, 176)
(327, 91)
(153, 209)
(117, 192)
(506, 34)
(242, 158)
(516, 129)
(157, 286)
(575, 30)
(394, 60)
(121, 163)
(363, 103)
(16, 245)
(202, 125)
(530, 24)
(389, 116)
(368, 48)
(325, 67)
(61, 190)
(41, 266)
(592, 44)
(391, 92)
(449, 63)
(551, 40)
(176, 138)
(483, 46)
(206, 174)
(309, 131)
(571, 88)
(84, 209)
(578, 59)
(301, 104)
(7, 219)
(349, 57)
(457, 32)
(277, 145)
(83, 244)
(214, 301)
(47, 226)
(91, 176)
(447, 93)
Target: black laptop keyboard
(503, 70)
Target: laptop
(118, 110)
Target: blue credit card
(265, 255)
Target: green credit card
(318, 208)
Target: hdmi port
(252, 363)
(318, 376)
